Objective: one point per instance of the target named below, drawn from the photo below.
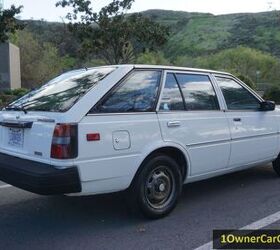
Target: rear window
(61, 93)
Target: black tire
(157, 187)
(276, 165)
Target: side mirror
(267, 106)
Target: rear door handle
(237, 119)
(173, 124)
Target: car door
(253, 132)
(190, 115)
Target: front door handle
(173, 124)
(237, 119)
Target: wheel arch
(172, 151)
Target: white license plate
(15, 137)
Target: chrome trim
(242, 110)
(46, 120)
(173, 124)
(131, 113)
(189, 111)
(231, 140)
(255, 136)
(209, 142)
(163, 80)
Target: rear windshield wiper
(17, 109)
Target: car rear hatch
(26, 135)
(42, 125)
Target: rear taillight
(65, 141)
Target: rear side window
(236, 96)
(60, 94)
(137, 93)
(198, 92)
(171, 96)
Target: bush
(240, 61)
(8, 96)
(154, 58)
(19, 92)
(273, 94)
(248, 81)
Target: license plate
(15, 137)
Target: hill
(192, 34)
(198, 34)
(246, 44)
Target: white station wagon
(143, 129)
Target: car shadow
(35, 218)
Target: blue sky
(46, 9)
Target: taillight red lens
(65, 141)
(62, 130)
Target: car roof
(165, 67)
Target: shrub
(8, 96)
(248, 81)
(273, 94)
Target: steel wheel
(160, 187)
(157, 187)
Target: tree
(8, 23)
(113, 35)
(39, 61)
(248, 81)
(153, 58)
(250, 63)
(273, 94)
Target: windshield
(61, 93)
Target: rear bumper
(38, 177)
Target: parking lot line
(5, 186)
(253, 226)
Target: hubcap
(159, 187)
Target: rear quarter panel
(103, 165)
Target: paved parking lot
(102, 222)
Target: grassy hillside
(243, 44)
(198, 34)
(192, 34)
(171, 17)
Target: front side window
(137, 93)
(60, 94)
(171, 96)
(236, 96)
(198, 92)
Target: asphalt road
(232, 201)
